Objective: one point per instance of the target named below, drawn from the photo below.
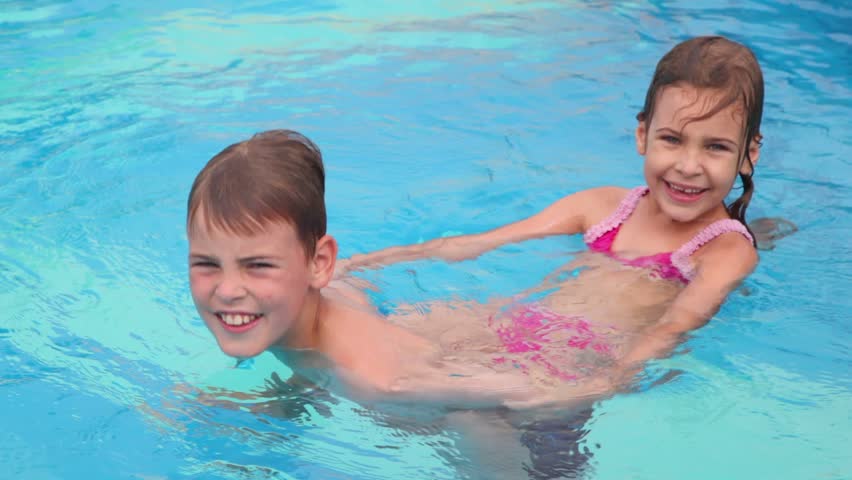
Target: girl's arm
(564, 217)
(724, 264)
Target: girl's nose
(689, 163)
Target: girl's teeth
(685, 190)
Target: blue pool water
(434, 117)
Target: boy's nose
(231, 288)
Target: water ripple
(109, 110)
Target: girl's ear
(641, 137)
(322, 263)
(753, 155)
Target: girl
(698, 130)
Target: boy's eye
(203, 264)
(670, 139)
(260, 265)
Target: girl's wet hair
(275, 176)
(719, 64)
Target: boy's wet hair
(275, 176)
(719, 64)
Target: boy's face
(251, 291)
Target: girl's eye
(718, 147)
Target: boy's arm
(726, 262)
(564, 217)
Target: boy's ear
(322, 263)
(641, 137)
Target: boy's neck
(305, 332)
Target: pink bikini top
(670, 265)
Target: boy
(260, 265)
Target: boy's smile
(238, 322)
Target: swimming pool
(434, 117)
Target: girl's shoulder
(611, 194)
(726, 249)
(601, 202)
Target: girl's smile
(684, 193)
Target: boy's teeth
(237, 319)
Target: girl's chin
(680, 214)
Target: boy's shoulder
(370, 352)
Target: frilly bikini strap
(616, 218)
(680, 257)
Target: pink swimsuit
(543, 334)
(670, 265)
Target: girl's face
(251, 291)
(691, 165)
